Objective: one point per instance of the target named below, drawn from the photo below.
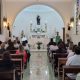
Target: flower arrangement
(39, 45)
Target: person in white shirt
(13, 38)
(71, 52)
(24, 39)
(16, 45)
(74, 60)
(78, 76)
(53, 47)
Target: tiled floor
(39, 67)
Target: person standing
(57, 38)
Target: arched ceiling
(13, 7)
(43, 0)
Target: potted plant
(39, 45)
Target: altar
(34, 43)
(37, 26)
(38, 34)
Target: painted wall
(47, 15)
(13, 7)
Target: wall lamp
(4, 21)
(71, 23)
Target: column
(64, 34)
(76, 15)
(0, 15)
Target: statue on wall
(38, 20)
(22, 34)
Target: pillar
(64, 34)
(0, 15)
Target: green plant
(39, 45)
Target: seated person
(0, 44)
(68, 43)
(2, 48)
(74, 60)
(78, 76)
(7, 63)
(23, 52)
(16, 45)
(60, 52)
(71, 51)
(10, 46)
(50, 43)
(53, 47)
(26, 48)
(61, 49)
(24, 39)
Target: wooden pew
(70, 69)
(55, 60)
(12, 51)
(16, 56)
(18, 65)
(7, 74)
(61, 62)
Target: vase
(38, 47)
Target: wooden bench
(12, 51)
(16, 56)
(70, 69)
(7, 74)
(18, 65)
(55, 60)
(61, 62)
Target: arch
(37, 7)
(38, 4)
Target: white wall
(13, 7)
(65, 8)
(28, 15)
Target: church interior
(39, 39)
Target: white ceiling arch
(43, 0)
(15, 6)
(28, 15)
